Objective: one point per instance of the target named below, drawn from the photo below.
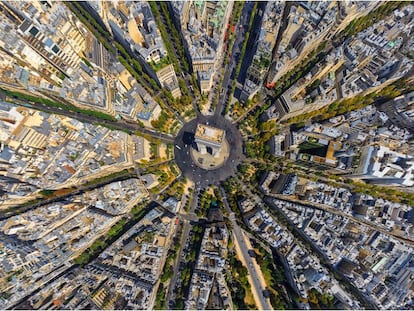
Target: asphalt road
(230, 69)
(252, 42)
(190, 170)
(257, 288)
(76, 191)
(53, 276)
(322, 255)
(120, 125)
(184, 236)
(339, 212)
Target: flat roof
(209, 133)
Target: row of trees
(115, 232)
(163, 122)
(184, 104)
(98, 31)
(257, 146)
(240, 108)
(177, 38)
(275, 279)
(234, 18)
(360, 101)
(135, 69)
(313, 86)
(234, 195)
(176, 189)
(55, 104)
(246, 40)
(238, 284)
(49, 193)
(206, 200)
(387, 193)
(362, 23)
(124, 173)
(185, 277)
(166, 174)
(242, 52)
(181, 65)
(315, 56)
(125, 57)
(168, 271)
(320, 301)
(104, 36)
(165, 37)
(340, 107)
(181, 105)
(230, 35)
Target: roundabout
(205, 165)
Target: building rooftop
(209, 133)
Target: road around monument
(184, 141)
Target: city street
(255, 275)
(199, 176)
(241, 28)
(120, 125)
(76, 191)
(184, 237)
(209, 155)
(336, 211)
